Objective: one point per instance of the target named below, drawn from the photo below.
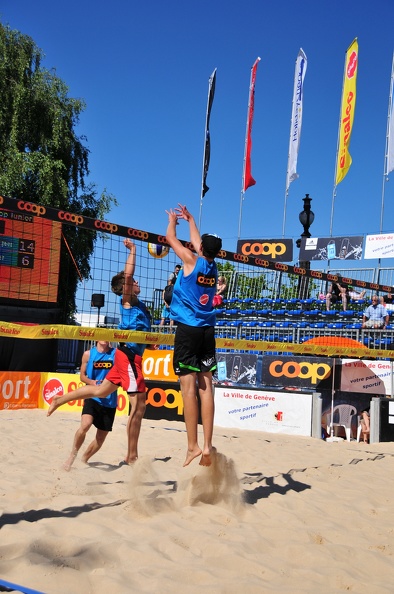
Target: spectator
(221, 290)
(167, 297)
(365, 425)
(173, 275)
(387, 301)
(335, 292)
(355, 295)
(375, 316)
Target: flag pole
(207, 142)
(389, 148)
(348, 104)
(295, 126)
(247, 179)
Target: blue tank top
(135, 318)
(97, 368)
(191, 302)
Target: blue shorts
(165, 314)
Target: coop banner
(259, 410)
(276, 250)
(371, 377)
(379, 246)
(331, 248)
(311, 373)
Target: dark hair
(211, 245)
(117, 283)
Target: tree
(42, 159)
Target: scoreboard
(29, 257)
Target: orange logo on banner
(19, 390)
(157, 365)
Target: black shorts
(194, 349)
(103, 416)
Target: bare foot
(53, 406)
(191, 454)
(131, 460)
(206, 459)
(69, 462)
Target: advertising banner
(310, 373)
(379, 246)
(371, 377)
(19, 390)
(274, 412)
(276, 250)
(237, 369)
(331, 248)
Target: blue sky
(143, 70)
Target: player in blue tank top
(127, 369)
(99, 412)
(194, 345)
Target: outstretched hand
(128, 243)
(172, 216)
(182, 212)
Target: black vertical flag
(207, 148)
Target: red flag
(247, 177)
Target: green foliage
(42, 159)
(242, 285)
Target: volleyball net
(270, 307)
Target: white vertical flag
(296, 118)
(390, 128)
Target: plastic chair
(344, 413)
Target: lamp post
(306, 217)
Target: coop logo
(241, 258)
(206, 281)
(264, 249)
(222, 254)
(260, 262)
(102, 364)
(332, 277)
(304, 370)
(283, 267)
(70, 217)
(347, 281)
(361, 284)
(52, 388)
(298, 270)
(316, 274)
(374, 286)
(35, 209)
(157, 397)
(104, 226)
(352, 65)
(161, 239)
(137, 233)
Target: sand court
(273, 513)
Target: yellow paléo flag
(348, 105)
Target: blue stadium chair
(319, 325)
(266, 324)
(336, 325)
(282, 325)
(354, 326)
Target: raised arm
(129, 270)
(181, 251)
(195, 237)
